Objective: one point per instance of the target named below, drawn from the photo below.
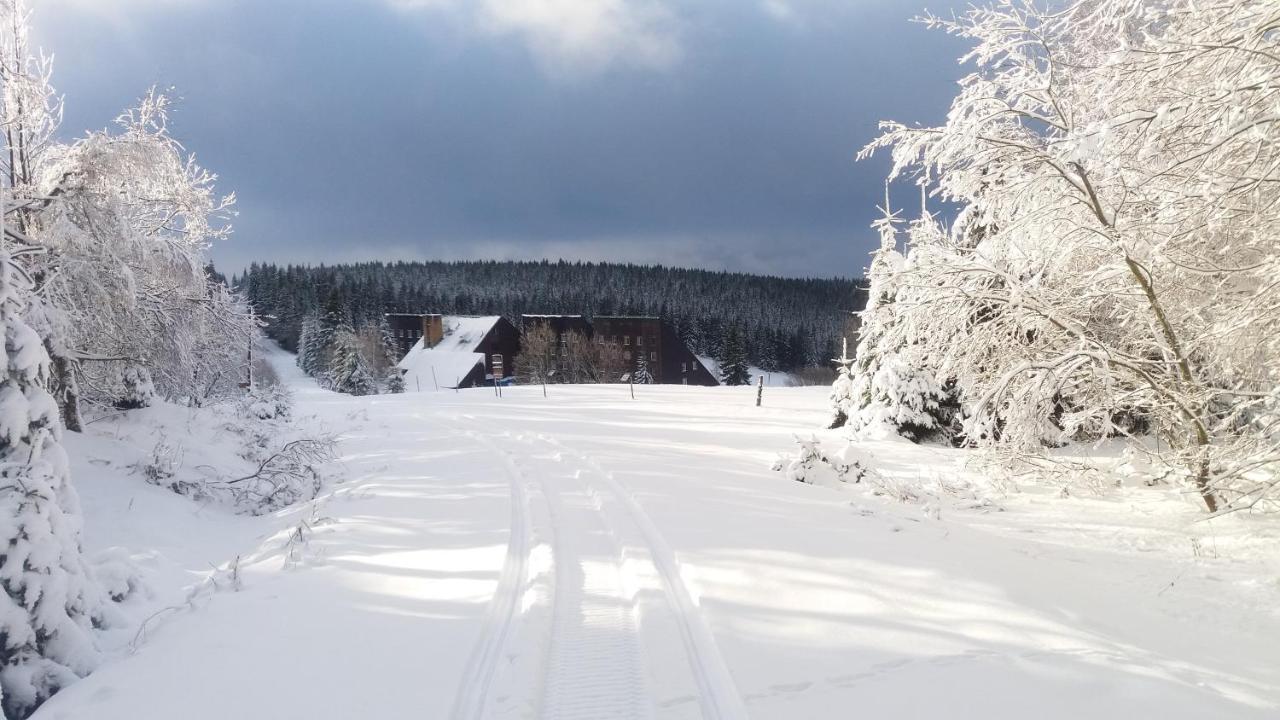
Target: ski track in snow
(594, 664)
(717, 692)
(503, 618)
(595, 668)
(590, 655)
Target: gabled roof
(424, 369)
(462, 333)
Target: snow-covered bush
(136, 389)
(250, 456)
(289, 459)
(1118, 169)
(266, 402)
(395, 381)
(814, 466)
(293, 473)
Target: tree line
(782, 323)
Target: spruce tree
(312, 347)
(51, 601)
(348, 371)
(892, 385)
(842, 392)
(395, 381)
(733, 358)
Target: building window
(684, 367)
(640, 340)
(626, 339)
(653, 357)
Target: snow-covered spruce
(51, 601)
(348, 370)
(1113, 267)
(890, 384)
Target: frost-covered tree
(51, 601)
(128, 236)
(733, 359)
(1123, 162)
(126, 217)
(348, 371)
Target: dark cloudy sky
(709, 133)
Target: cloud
(107, 8)
(119, 15)
(780, 10)
(573, 38)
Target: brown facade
(407, 328)
(668, 359)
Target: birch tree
(1119, 168)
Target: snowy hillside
(585, 555)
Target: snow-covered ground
(586, 555)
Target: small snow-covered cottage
(455, 351)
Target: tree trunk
(65, 391)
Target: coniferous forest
(786, 323)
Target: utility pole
(759, 390)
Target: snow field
(585, 555)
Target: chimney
(432, 330)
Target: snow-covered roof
(531, 315)
(449, 366)
(778, 378)
(463, 333)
